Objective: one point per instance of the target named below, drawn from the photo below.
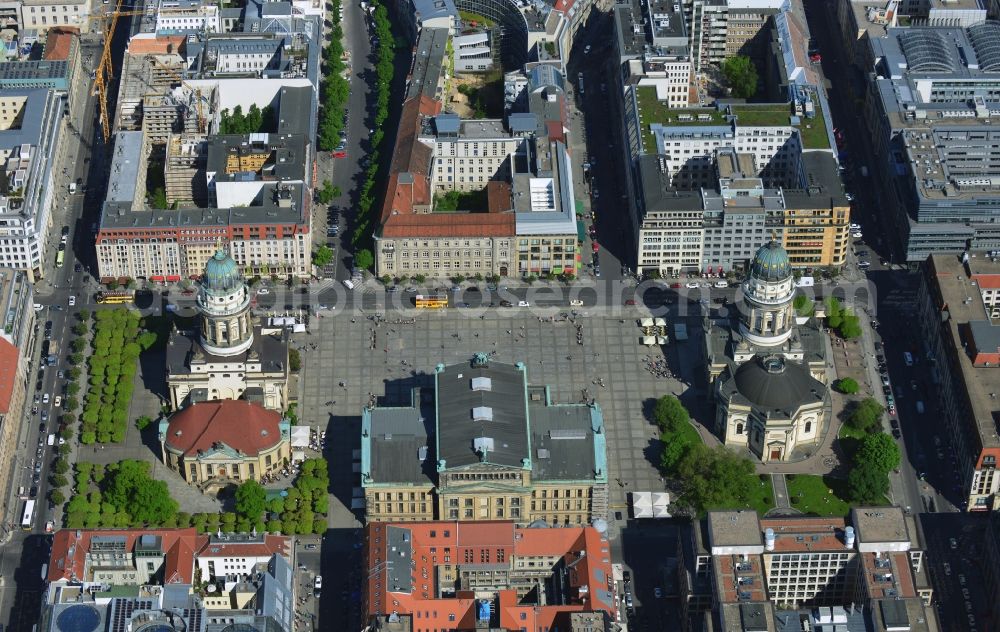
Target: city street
(22, 557)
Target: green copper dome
(771, 263)
(221, 273)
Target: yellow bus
(431, 301)
(60, 258)
(115, 297)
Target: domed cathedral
(227, 357)
(768, 372)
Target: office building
(488, 575)
(30, 135)
(930, 101)
(16, 346)
(484, 445)
(716, 184)
(961, 350)
(478, 196)
(718, 29)
(258, 194)
(751, 573)
(651, 47)
(42, 15)
(167, 579)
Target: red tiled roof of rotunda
(239, 424)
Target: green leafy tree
(715, 479)
(143, 422)
(294, 360)
(80, 328)
(60, 466)
(878, 450)
(58, 480)
(669, 413)
(131, 489)
(834, 313)
(867, 485)
(325, 194)
(865, 414)
(250, 500)
(741, 75)
(363, 259)
(57, 497)
(850, 328)
(319, 526)
(322, 256)
(847, 385)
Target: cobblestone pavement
(387, 360)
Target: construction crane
(105, 70)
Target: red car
(815, 58)
(596, 246)
(340, 154)
(675, 286)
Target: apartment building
(718, 29)
(29, 153)
(168, 579)
(747, 573)
(501, 449)
(487, 575)
(42, 15)
(716, 190)
(257, 192)
(16, 346)
(181, 16)
(486, 197)
(960, 343)
(652, 50)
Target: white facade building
(41, 15)
(29, 153)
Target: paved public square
(389, 358)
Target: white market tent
(649, 341)
(300, 436)
(646, 322)
(650, 505)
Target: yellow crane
(105, 70)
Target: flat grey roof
(734, 528)
(428, 63)
(119, 216)
(294, 109)
(398, 435)
(497, 414)
(562, 440)
(879, 524)
(125, 161)
(32, 118)
(399, 556)
(287, 160)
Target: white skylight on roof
(482, 413)
(482, 384)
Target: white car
(262, 291)
(39, 307)
(850, 198)
(855, 226)
(45, 398)
(523, 304)
(58, 401)
(318, 584)
(691, 285)
(857, 234)
(72, 300)
(721, 284)
(576, 302)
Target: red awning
(173, 278)
(156, 279)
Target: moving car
(523, 304)
(576, 302)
